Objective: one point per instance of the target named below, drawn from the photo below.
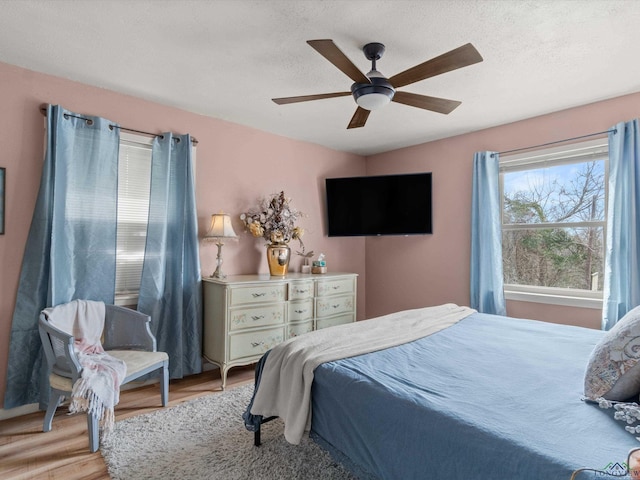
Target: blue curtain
(487, 282)
(170, 290)
(622, 259)
(71, 245)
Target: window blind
(134, 181)
(580, 152)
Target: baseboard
(207, 367)
(5, 414)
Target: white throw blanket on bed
(97, 391)
(285, 384)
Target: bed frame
(256, 434)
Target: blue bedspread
(489, 398)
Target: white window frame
(582, 151)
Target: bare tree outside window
(553, 225)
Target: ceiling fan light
(374, 95)
(373, 101)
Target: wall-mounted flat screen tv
(379, 205)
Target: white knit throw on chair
(97, 391)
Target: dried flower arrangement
(274, 220)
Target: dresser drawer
(325, 307)
(261, 316)
(334, 287)
(333, 321)
(301, 310)
(255, 343)
(300, 290)
(257, 294)
(296, 329)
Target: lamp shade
(220, 226)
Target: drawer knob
(336, 305)
(256, 295)
(300, 311)
(256, 344)
(257, 317)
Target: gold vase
(278, 256)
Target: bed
(486, 397)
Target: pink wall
(406, 272)
(235, 166)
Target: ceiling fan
(374, 90)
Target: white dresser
(246, 315)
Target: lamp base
(218, 273)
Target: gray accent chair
(126, 336)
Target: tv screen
(379, 205)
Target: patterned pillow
(613, 371)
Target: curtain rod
(43, 109)
(557, 141)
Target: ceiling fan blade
(331, 52)
(306, 98)
(359, 118)
(435, 104)
(460, 57)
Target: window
(134, 186)
(134, 182)
(554, 224)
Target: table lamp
(219, 230)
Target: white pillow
(613, 371)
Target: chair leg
(164, 384)
(94, 434)
(54, 401)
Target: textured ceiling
(228, 58)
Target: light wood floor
(63, 453)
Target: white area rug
(206, 439)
